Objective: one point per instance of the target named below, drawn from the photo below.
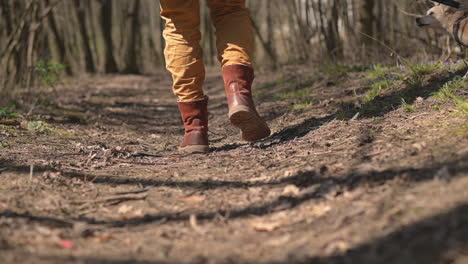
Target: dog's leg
(447, 50)
(466, 76)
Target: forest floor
(365, 165)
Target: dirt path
(103, 182)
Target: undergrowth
(408, 107)
(8, 112)
(462, 130)
(49, 72)
(40, 127)
(448, 92)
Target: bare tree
(125, 36)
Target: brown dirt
(108, 186)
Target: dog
(454, 21)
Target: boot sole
(193, 149)
(252, 127)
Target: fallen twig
(416, 116)
(194, 224)
(115, 199)
(10, 122)
(356, 116)
(132, 192)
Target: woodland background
(124, 36)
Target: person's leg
(234, 32)
(235, 44)
(183, 56)
(183, 52)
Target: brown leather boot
(242, 113)
(195, 117)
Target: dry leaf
(103, 238)
(138, 213)
(291, 190)
(337, 247)
(124, 209)
(259, 179)
(255, 190)
(266, 226)
(279, 241)
(320, 210)
(419, 146)
(154, 136)
(192, 199)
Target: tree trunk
(88, 55)
(110, 66)
(133, 45)
(57, 40)
(367, 21)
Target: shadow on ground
(377, 107)
(324, 185)
(428, 241)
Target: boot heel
(193, 149)
(240, 115)
(252, 127)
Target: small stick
(132, 192)
(416, 116)
(115, 199)
(356, 116)
(194, 224)
(31, 172)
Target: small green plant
(376, 88)
(424, 68)
(408, 107)
(417, 72)
(414, 80)
(462, 130)
(385, 78)
(331, 68)
(49, 72)
(8, 113)
(377, 71)
(302, 105)
(40, 127)
(447, 92)
(459, 65)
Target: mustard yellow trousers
(183, 53)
